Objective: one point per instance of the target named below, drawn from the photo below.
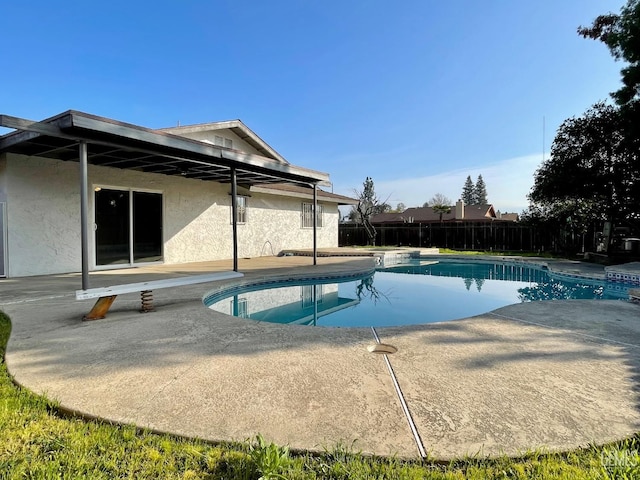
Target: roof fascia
(200, 127)
(309, 196)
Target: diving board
(107, 295)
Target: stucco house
(460, 212)
(80, 192)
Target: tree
(354, 216)
(468, 191)
(566, 220)
(400, 208)
(438, 199)
(594, 169)
(383, 207)
(440, 204)
(368, 205)
(441, 210)
(621, 34)
(480, 192)
(591, 169)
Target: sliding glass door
(112, 227)
(128, 227)
(147, 227)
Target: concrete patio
(547, 375)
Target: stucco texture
(43, 217)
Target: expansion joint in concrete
(403, 403)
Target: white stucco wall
(3, 199)
(238, 143)
(3, 176)
(275, 221)
(43, 217)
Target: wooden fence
(490, 236)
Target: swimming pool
(412, 293)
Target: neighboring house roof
(510, 217)
(478, 212)
(237, 127)
(428, 214)
(287, 190)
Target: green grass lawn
(37, 441)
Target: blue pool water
(412, 293)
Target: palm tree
(441, 210)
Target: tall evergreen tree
(480, 192)
(468, 191)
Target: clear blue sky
(416, 94)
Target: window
(222, 142)
(239, 307)
(307, 215)
(309, 294)
(241, 202)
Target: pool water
(412, 293)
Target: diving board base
(100, 309)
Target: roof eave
(322, 195)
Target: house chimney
(459, 210)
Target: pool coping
(554, 270)
(283, 280)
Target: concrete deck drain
(382, 349)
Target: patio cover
(90, 139)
